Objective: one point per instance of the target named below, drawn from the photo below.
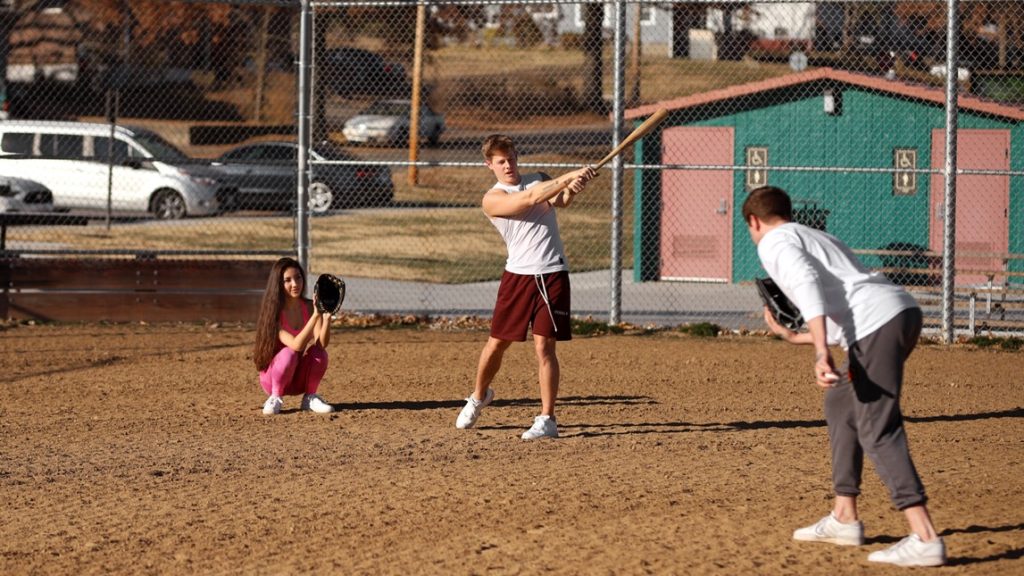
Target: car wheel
(168, 205)
(320, 197)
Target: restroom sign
(757, 160)
(904, 178)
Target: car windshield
(160, 149)
(388, 109)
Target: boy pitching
(534, 290)
(878, 323)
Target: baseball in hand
(830, 377)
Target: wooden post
(261, 64)
(414, 113)
(634, 57)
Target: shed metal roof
(904, 89)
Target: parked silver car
(387, 122)
(21, 195)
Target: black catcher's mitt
(329, 293)
(781, 308)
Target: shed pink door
(696, 205)
(982, 201)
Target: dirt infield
(142, 449)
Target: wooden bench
(1000, 292)
(131, 289)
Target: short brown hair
(498, 144)
(768, 203)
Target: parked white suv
(146, 174)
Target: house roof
(916, 91)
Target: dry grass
(436, 233)
(444, 236)
(662, 78)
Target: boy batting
(534, 291)
(878, 323)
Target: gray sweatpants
(863, 415)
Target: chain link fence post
(950, 172)
(305, 96)
(618, 109)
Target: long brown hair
(267, 325)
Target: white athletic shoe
(273, 405)
(315, 403)
(543, 427)
(471, 411)
(830, 529)
(912, 551)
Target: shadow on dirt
(439, 404)
(676, 427)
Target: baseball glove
(778, 304)
(328, 293)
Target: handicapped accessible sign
(904, 179)
(757, 174)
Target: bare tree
(592, 97)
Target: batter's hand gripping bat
(628, 141)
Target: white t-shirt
(821, 275)
(532, 238)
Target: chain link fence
(181, 129)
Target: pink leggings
(290, 373)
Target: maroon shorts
(520, 305)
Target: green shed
(687, 222)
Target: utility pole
(417, 84)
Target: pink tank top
(283, 321)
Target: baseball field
(142, 449)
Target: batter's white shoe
(912, 551)
(471, 411)
(315, 403)
(830, 529)
(543, 427)
(273, 405)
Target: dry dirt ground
(134, 449)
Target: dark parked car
(265, 174)
(352, 72)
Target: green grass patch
(591, 327)
(1012, 343)
(701, 329)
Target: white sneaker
(315, 403)
(471, 411)
(830, 529)
(912, 551)
(543, 426)
(273, 405)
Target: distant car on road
(266, 176)
(354, 72)
(21, 195)
(387, 122)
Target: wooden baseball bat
(635, 135)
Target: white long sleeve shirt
(822, 276)
(532, 238)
